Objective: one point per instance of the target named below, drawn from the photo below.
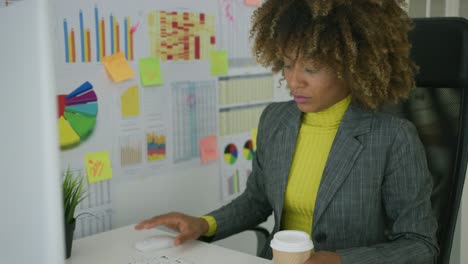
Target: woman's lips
(300, 99)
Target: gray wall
(32, 220)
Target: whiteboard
(179, 112)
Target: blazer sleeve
(252, 206)
(406, 193)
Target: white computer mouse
(156, 242)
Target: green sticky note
(150, 71)
(219, 62)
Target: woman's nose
(295, 79)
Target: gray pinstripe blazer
(373, 203)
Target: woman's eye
(287, 66)
(312, 70)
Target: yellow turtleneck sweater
(314, 142)
(313, 145)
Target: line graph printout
(194, 116)
(234, 20)
(181, 35)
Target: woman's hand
(324, 257)
(188, 226)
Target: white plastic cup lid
(291, 241)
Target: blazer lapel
(343, 154)
(291, 122)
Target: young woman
(328, 162)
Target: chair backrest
(439, 110)
(262, 235)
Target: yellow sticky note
(130, 102)
(98, 166)
(252, 2)
(219, 62)
(117, 67)
(150, 71)
(208, 149)
(253, 134)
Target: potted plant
(73, 193)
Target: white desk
(116, 247)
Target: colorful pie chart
(230, 154)
(77, 114)
(249, 150)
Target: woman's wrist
(204, 226)
(211, 223)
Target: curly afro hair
(365, 42)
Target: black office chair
(439, 110)
(262, 235)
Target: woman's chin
(307, 108)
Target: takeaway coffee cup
(291, 247)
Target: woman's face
(314, 87)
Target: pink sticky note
(252, 2)
(208, 149)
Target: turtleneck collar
(330, 117)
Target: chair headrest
(440, 49)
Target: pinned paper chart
(233, 185)
(230, 154)
(77, 114)
(156, 146)
(249, 150)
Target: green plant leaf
(74, 192)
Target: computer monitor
(31, 217)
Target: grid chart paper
(242, 100)
(194, 116)
(245, 89)
(181, 35)
(94, 214)
(234, 19)
(238, 120)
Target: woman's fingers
(189, 227)
(141, 225)
(169, 220)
